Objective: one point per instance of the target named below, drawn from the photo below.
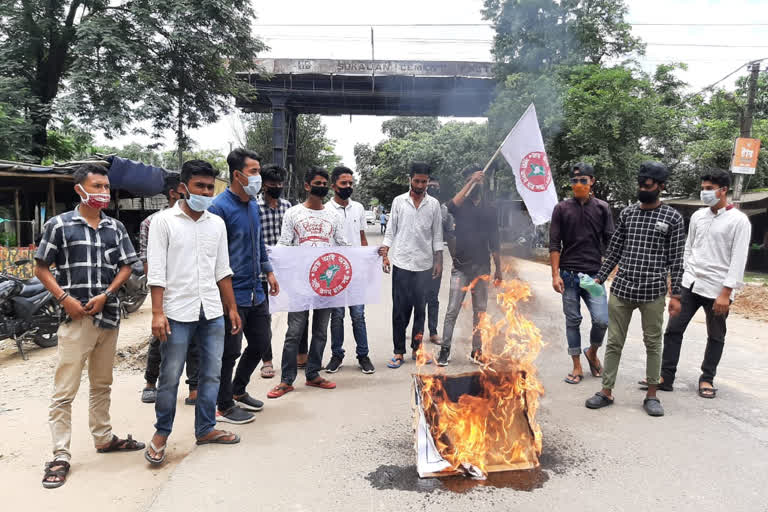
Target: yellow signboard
(745, 153)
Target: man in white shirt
(352, 214)
(309, 224)
(191, 285)
(715, 257)
(415, 236)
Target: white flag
(524, 151)
(325, 277)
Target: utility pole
(746, 125)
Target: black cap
(582, 169)
(654, 170)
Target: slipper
(149, 395)
(267, 371)
(190, 401)
(218, 438)
(278, 391)
(573, 379)
(661, 386)
(596, 369)
(707, 392)
(322, 384)
(122, 445)
(598, 401)
(395, 362)
(152, 460)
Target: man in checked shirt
(648, 245)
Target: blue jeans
(210, 338)
(598, 310)
(358, 329)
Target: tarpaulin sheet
(136, 178)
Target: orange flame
(496, 429)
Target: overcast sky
(707, 64)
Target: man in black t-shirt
(477, 239)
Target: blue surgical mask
(196, 202)
(254, 185)
(709, 197)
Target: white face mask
(254, 185)
(709, 197)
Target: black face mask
(648, 196)
(274, 192)
(344, 193)
(320, 192)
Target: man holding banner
(310, 224)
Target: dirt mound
(752, 302)
(133, 357)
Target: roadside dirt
(752, 302)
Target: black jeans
(409, 292)
(433, 305)
(257, 329)
(673, 337)
(297, 326)
(154, 358)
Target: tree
(15, 129)
(173, 63)
(313, 146)
(399, 127)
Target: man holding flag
(309, 224)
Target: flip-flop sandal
(573, 379)
(122, 445)
(595, 369)
(396, 362)
(155, 461)
(59, 473)
(190, 401)
(149, 395)
(707, 392)
(322, 384)
(267, 371)
(278, 391)
(218, 438)
(660, 386)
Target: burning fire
(495, 428)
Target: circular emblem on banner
(330, 274)
(534, 171)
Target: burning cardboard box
(484, 422)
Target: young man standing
(579, 232)
(149, 393)
(272, 209)
(715, 257)
(433, 294)
(93, 257)
(477, 241)
(310, 224)
(383, 220)
(415, 235)
(191, 285)
(248, 259)
(647, 246)
(352, 215)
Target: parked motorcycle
(133, 293)
(28, 312)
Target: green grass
(755, 277)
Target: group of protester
(649, 245)
(209, 272)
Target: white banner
(524, 151)
(325, 277)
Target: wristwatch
(110, 295)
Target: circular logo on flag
(534, 171)
(330, 274)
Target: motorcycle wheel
(47, 340)
(133, 304)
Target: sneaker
(444, 357)
(149, 395)
(248, 403)
(333, 365)
(366, 366)
(235, 415)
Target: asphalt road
(352, 448)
